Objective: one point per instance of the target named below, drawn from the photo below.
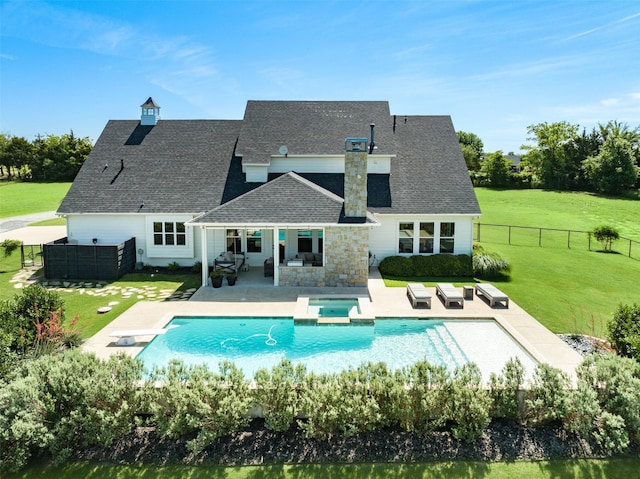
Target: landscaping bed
(501, 441)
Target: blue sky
(494, 66)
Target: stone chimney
(355, 177)
(150, 113)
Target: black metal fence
(550, 237)
(63, 260)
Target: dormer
(150, 113)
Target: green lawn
(566, 289)
(26, 198)
(86, 305)
(566, 210)
(592, 469)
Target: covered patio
(294, 230)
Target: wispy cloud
(625, 107)
(49, 24)
(528, 69)
(605, 26)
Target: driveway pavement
(16, 228)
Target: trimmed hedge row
(59, 403)
(437, 265)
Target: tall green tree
(613, 170)
(16, 155)
(472, 149)
(578, 150)
(551, 164)
(497, 168)
(59, 158)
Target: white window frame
(164, 250)
(416, 236)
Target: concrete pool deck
(253, 296)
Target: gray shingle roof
(311, 127)
(286, 200)
(176, 166)
(429, 174)
(189, 166)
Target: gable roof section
(176, 166)
(311, 127)
(429, 174)
(286, 200)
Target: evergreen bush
(504, 389)
(278, 392)
(624, 330)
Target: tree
(497, 168)
(471, 146)
(16, 153)
(606, 235)
(551, 157)
(582, 147)
(613, 170)
(59, 158)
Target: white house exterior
(344, 181)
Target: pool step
(446, 345)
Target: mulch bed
(501, 441)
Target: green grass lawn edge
(575, 468)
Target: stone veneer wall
(312, 276)
(346, 261)
(346, 256)
(355, 184)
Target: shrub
(489, 265)
(32, 306)
(10, 246)
(606, 235)
(278, 393)
(173, 266)
(504, 390)
(426, 397)
(468, 404)
(193, 400)
(624, 330)
(66, 401)
(616, 382)
(337, 404)
(197, 267)
(548, 396)
(400, 266)
(437, 265)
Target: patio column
(276, 255)
(203, 253)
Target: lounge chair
(417, 293)
(449, 294)
(492, 294)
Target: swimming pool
(255, 343)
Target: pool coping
(543, 345)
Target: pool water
(333, 308)
(255, 343)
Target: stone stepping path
(27, 277)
